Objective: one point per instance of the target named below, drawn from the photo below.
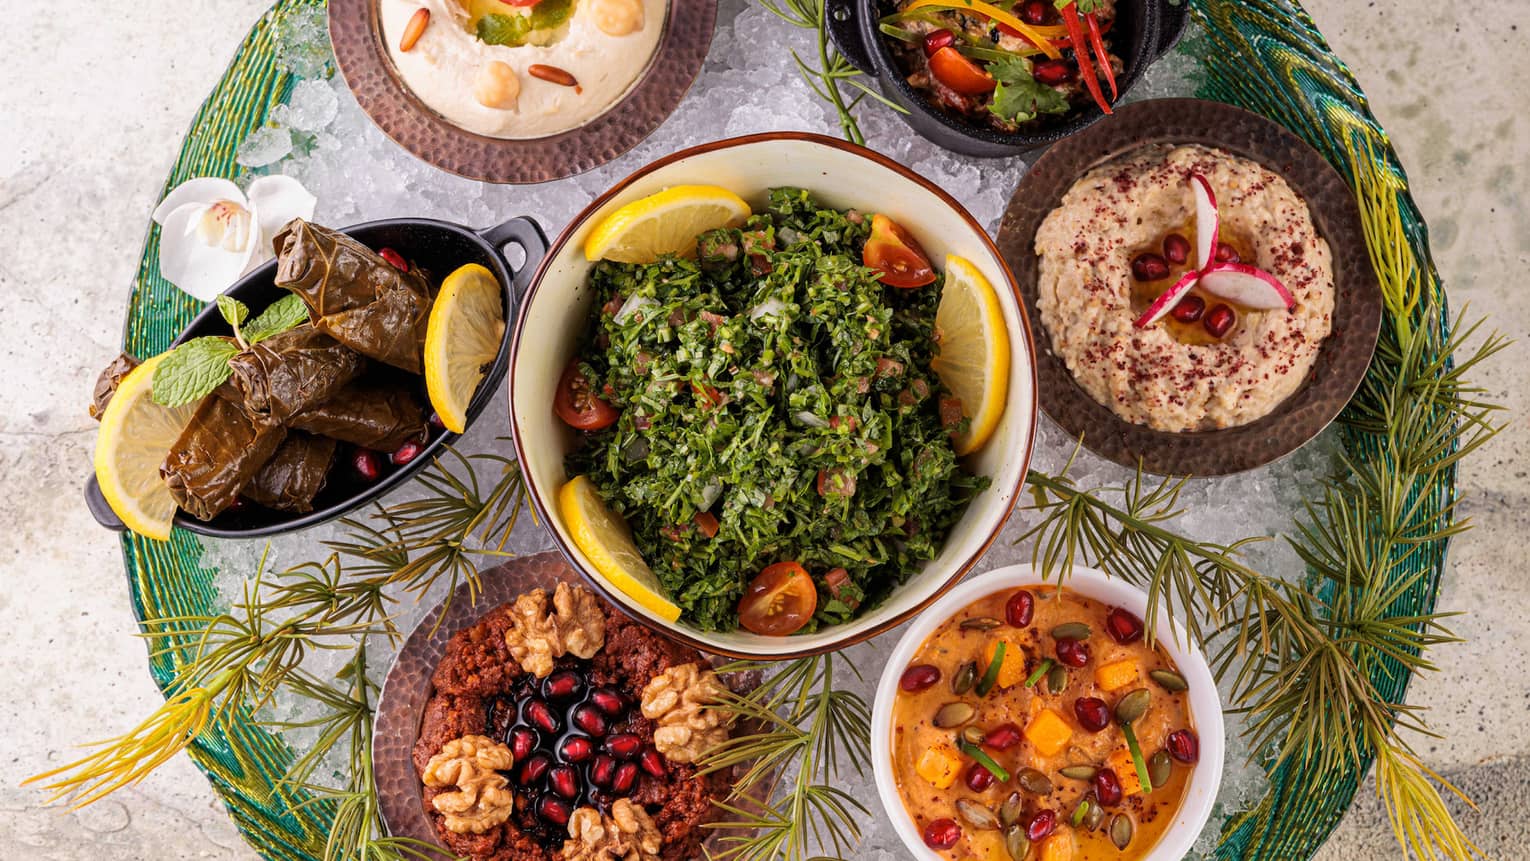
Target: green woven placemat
(1264, 56)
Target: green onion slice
(1137, 761)
(991, 674)
(985, 761)
(1041, 670)
(1080, 811)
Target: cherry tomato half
(959, 73)
(577, 405)
(779, 600)
(893, 252)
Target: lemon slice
(466, 326)
(973, 360)
(664, 223)
(135, 435)
(602, 535)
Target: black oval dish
(1151, 28)
(439, 247)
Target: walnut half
(628, 834)
(537, 637)
(482, 798)
(677, 701)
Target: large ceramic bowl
(1205, 704)
(557, 307)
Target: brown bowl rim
(363, 62)
(545, 514)
(1344, 357)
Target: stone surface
(93, 120)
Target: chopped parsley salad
(765, 419)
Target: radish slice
(1166, 302)
(1207, 221)
(1246, 285)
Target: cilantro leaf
(285, 313)
(1020, 97)
(193, 370)
(1085, 7)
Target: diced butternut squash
(988, 845)
(1117, 674)
(1011, 670)
(939, 765)
(1120, 761)
(1059, 846)
(1048, 732)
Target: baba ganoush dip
(521, 68)
(1172, 375)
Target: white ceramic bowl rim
(1205, 703)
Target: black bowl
(1144, 30)
(437, 246)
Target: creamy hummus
(455, 73)
(1156, 376)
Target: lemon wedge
(603, 537)
(973, 358)
(664, 223)
(467, 324)
(135, 435)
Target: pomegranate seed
(534, 768)
(541, 714)
(653, 763)
(1073, 652)
(1041, 824)
(395, 258)
(1189, 309)
(937, 39)
(1227, 254)
(589, 719)
(562, 685)
(1053, 72)
(1176, 248)
(405, 453)
(576, 748)
(364, 461)
(1107, 787)
(437, 422)
(1184, 746)
(602, 770)
(522, 741)
(624, 745)
(564, 781)
(1122, 626)
(626, 775)
(918, 677)
(1020, 609)
(1219, 320)
(554, 810)
(978, 778)
(1002, 737)
(608, 701)
(1148, 266)
(1034, 12)
(1092, 713)
(942, 834)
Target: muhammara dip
(602, 46)
(1156, 376)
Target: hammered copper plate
(356, 34)
(1341, 363)
(401, 706)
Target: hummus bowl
(559, 303)
(1048, 735)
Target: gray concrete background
(93, 109)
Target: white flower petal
(192, 265)
(205, 189)
(277, 199)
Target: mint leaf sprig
(191, 371)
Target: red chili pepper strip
(1085, 68)
(1100, 53)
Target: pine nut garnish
(553, 74)
(414, 29)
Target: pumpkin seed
(1012, 809)
(1079, 772)
(964, 679)
(976, 814)
(1071, 631)
(1134, 705)
(1121, 831)
(1159, 768)
(1016, 843)
(972, 735)
(980, 623)
(954, 715)
(1170, 680)
(1034, 781)
(1094, 818)
(1057, 680)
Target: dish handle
(845, 32)
(99, 509)
(526, 234)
